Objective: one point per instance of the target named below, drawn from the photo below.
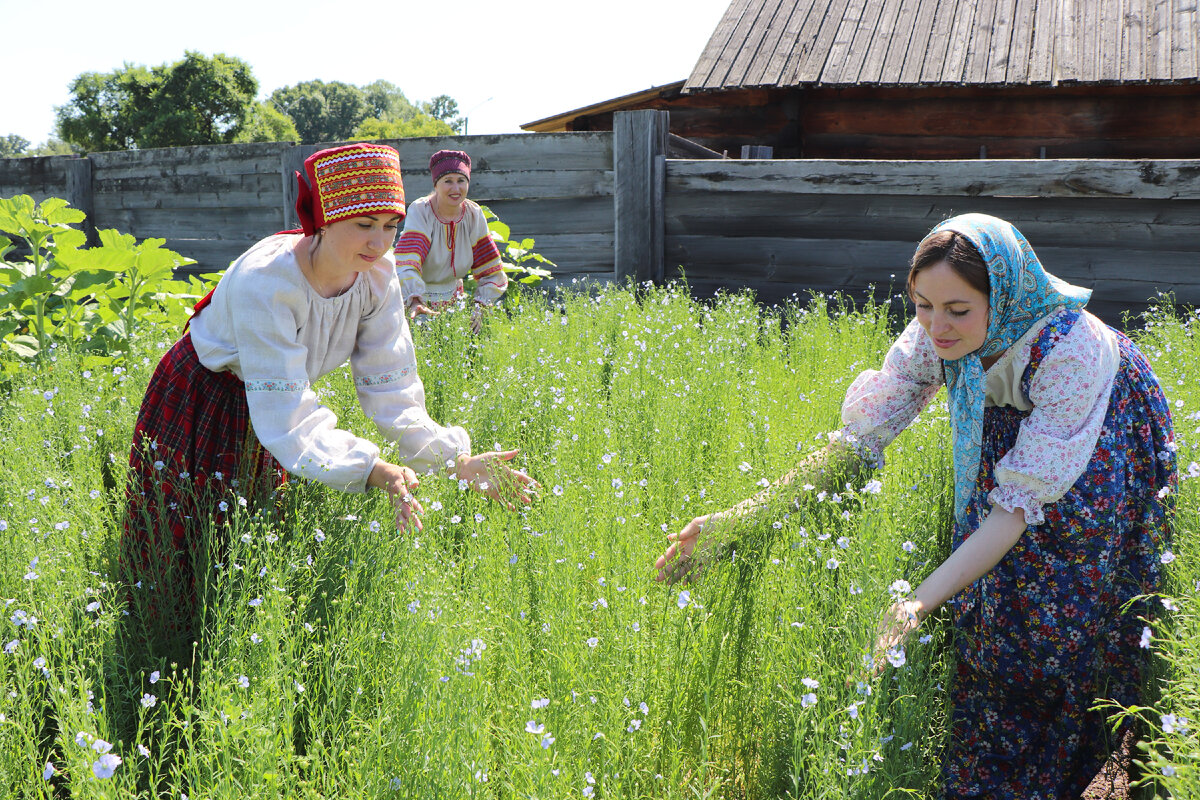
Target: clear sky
(506, 62)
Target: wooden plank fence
(1126, 229)
(615, 206)
(211, 202)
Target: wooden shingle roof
(783, 43)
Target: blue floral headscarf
(1021, 292)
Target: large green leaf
(32, 285)
(24, 346)
(11, 208)
(110, 237)
(155, 262)
(56, 211)
(87, 283)
(8, 325)
(114, 330)
(69, 238)
(112, 292)
(104, 258)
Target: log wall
(937, 122)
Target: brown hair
(957, 251)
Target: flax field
(531, 654)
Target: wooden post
(639, 167)
(292, 162)
(757, 151)
(79, 194)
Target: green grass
(380, 664)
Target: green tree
(445, 108)
(197, 100)
(386, 101)
(322, 112)
(52, 147)
(420, 125)
(103, 106)
(13, 146)
(268, 124)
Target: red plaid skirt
(194, 457)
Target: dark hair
(957, 251)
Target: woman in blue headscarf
(1064, 474)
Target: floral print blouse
(1067, 401)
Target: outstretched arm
(828, 469)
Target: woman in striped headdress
(230, 409)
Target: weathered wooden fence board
(1125, 229)
(246, 225)
(211, 255)
(38, 177)
(1135, 224)
(516, 185)
(213, 193)
(1169, 180)
(794, 260)
(545, 151)
(562, 215)
(199, 160)
(639, 151)
(576, 234)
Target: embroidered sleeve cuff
(1010, 498)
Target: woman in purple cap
(445, 238)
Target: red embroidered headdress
(348, 181)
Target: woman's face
(357, 243)
(451, 189)
(953, 313)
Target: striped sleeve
(486, 267)
(411, 250)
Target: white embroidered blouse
(1068, 400)
(268, 326)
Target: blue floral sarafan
(1054, 627)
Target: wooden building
(937, 79)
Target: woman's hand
(477, 319)
(487, 474)
(418, 309)
(681, 561)
(898, 622)
(401, 484)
